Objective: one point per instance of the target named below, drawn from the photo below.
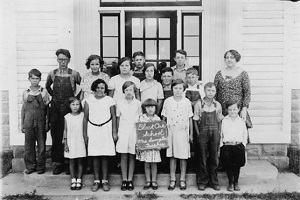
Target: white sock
(78, 180)
(73, 180)
(104, 181)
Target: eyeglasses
(63, 60)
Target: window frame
(200, 38)
(101, 34)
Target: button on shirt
(207, 107)
(180, 73)
(233, 130)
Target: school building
(265, 32)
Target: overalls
(62, 91)
(194, 96)
(209, 140)
(34, 125)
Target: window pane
(164, 27)
(191, 25)
(150, 27)
(193, 61)
(137, 27)
(137, 45)
(110, 47)
(164, 49)
(150, 50)
(191, 45)
(110, 26)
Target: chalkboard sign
(151, 135)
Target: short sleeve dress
(100, 141)
(75, 136)
(236, 88)
(152, 155)
(178, 114)
(129, 113)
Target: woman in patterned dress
(233, 83)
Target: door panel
(153, 33)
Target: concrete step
(254, 172)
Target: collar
(38, 90)
(139, 70)
(205, 102)
(192, 86)
(180, 70)
(236, 119)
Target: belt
(231, 143)
(100, 124)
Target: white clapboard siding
(263, 58)
(296, 46)
(37, 39)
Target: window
(110, 37)
(191, 39)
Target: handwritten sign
(151, 135)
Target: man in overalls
(64, 82)
(207, 118)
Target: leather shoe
(237, 187)
(230, 187)
(216, 187)
(58, 169)
(29, 171)
(41, 171)
(201, 187)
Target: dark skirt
(232, 155)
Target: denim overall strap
(193, 95)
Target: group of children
(104, 123)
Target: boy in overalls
(64, 82)
(34, 123)
(207, 118)
(194, 92)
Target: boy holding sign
(152, 156)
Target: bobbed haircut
(72, 99)
(123, 60)
(167, 69)
(150, 65)
(149, 102)
(35, 72)
(96, 83)
(94, 57)
(192, 70)
(138, 53)
(237, 56)
(178, 82)
(180, 51)
(64, 52)
(230, 103)
(209, 85)
(128, 84)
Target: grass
(263, 196)
(26, 196)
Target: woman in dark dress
(233, 83)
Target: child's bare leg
(173, 168)
(183, 164)
(96, 166)
(147, 171)
(72, 168)
(131, 166)
(80, 168)
(124, 160)
(154, 171)
(104, 168)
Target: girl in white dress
(177, 112)
(150, 157)
(100, 130)
(73, 141)
(128, 112)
